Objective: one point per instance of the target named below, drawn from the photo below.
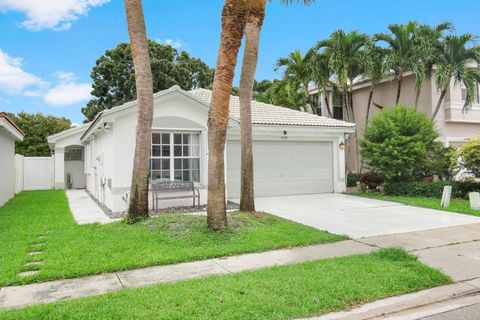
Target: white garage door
(283, 168)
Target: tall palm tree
(455, 62)
(343, 50)
(234, 15)
(372, 67)
(401, 41)
(427, 48)
(247, 79)
(320, 74)
(138, 207)
(297, 72)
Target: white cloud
(65, 76)
(50, 14)
(13, 79)
(67, 93)
(170, 42)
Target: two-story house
(454, 124)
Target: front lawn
(456, 205)
(41, 221)
(284, 292)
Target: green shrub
(460, 189)
(371, 179)
(352, 179)
(397, 142)
(440, 163)
(469, 155)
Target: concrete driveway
(358, 217)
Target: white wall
(76, 169)
(37, 173)
(7, 167)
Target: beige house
(455, 125)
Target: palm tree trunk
(138, 207)
(327, 104)
(247, 78)
(417, 97)
(233, 26)
(439, 103)
(370, 98)
(399, 86)
(345, 103)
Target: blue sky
(48, 48)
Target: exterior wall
(7, 167)
(76, 169)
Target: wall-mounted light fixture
(341, 146)
(284, 132)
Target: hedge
(460, 189)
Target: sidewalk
(84, 209)
(20, 296)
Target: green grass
(456, 205)
(285, 292)
(72, 250)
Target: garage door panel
(283, 168)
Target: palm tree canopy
(343, 51)
(456, 56)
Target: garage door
(283, 168)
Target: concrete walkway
(20, 296)
(84, 209)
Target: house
(294, 152)
(455, 125)
(9, 134)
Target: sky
(48, 47)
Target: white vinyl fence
(33, 173)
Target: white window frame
(172, 156)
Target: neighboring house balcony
(454, 113)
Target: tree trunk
(399, 86)
(417, 97)
(327, 104)
(233, 26)
(247, 78)
(439, 103)
(345, 103)
(138, 207)
(370, 98)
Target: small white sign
(474, 200)
(447, 193)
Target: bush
(397, 142)
(352, 179)
(371, 179)
(440, 163)
(469, 157)
(460, 189)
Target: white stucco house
(9, 134)
(294, 152)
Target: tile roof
(13, 124)
(263, 113)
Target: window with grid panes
(175, 156)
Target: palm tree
(401, 50)
(138, 207)
(373, 68)
(343, 50)
(427, 49)
(234, 14)
(454, 62)
(320, 74)
(297, 72)
(247, 79)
